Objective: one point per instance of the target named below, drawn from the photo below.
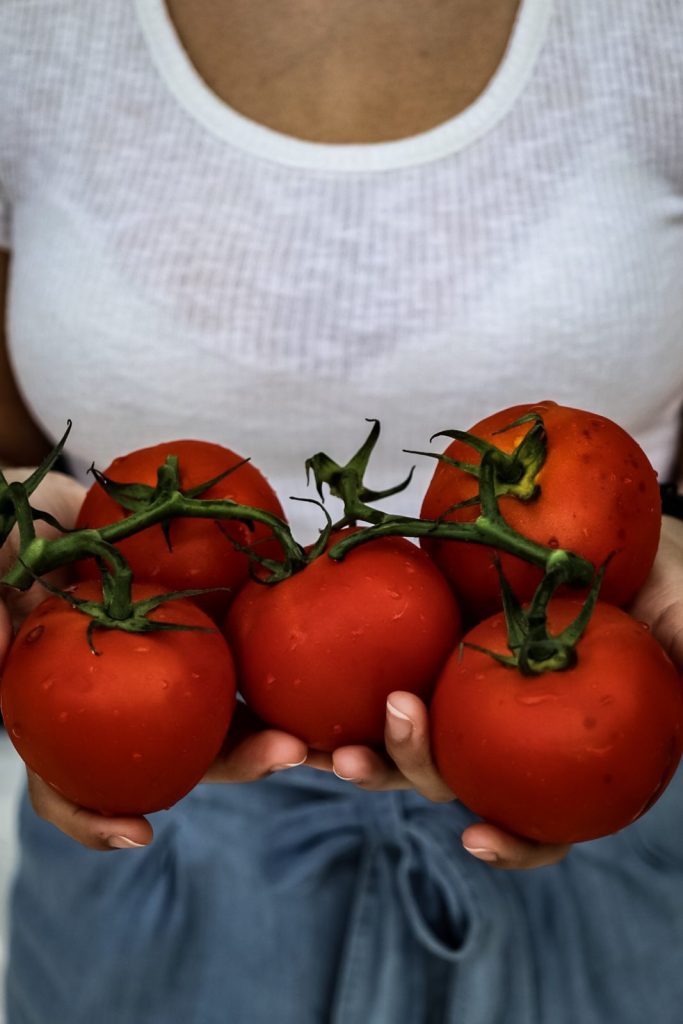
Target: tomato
(598, 495)
(128, 731)
(202, 553)
(562, 756)
(319, 653)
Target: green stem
(489, 528)
(42, 556)
(482, 531)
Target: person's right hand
(251, 752)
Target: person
(258, 224)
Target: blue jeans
(302, 900)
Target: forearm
(21, 441)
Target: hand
(410, 766)
(660, 601)
(251, 752)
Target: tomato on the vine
(318, 654)
(201, 552)
(598, 496)
(131, 729)
(565, 756)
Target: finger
(667, 628)
(407, 743)
(96, 831)
(256, 755)
(513, 853)
(367, 769)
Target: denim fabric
(302, 900)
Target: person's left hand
(410, 764)
(660, 602)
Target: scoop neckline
(223, 121)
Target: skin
(341, 72)
(346, 71)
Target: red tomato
(562, 756)
(129, 731)
(319, 653)
(598, 495)
(202, 553)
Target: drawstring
(408, 870)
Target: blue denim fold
(304, 900)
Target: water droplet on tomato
(479, 676)
(394, 594)
(270, 680)
(16, 731)
(607, 699)
(63, 716)
(296, 637)
(645, 626)
(141, 650)
(531, 699)
(627, 480)
(136, 757)
(600, 751)
(553, 542)
(47, 684)
(164, 684)
(336, 729)
(34, 635)
(194, 675)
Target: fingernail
(281, 767)
(400, 726)
(482, 853)
(121, 843)
(344, 778)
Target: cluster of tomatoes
(554, 755)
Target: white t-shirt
(179, 270)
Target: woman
(259, 224)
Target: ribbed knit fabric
(181, 271)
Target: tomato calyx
(346, 482)
(136, 497)
(534, 650)
(515, 472)
(117, 609)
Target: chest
(346, 70)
